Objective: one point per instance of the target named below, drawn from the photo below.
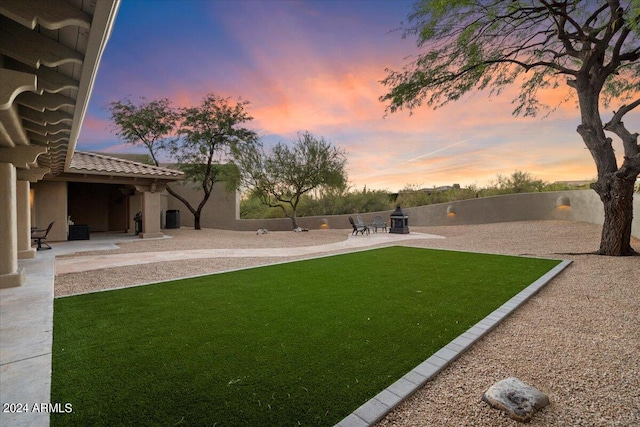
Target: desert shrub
(251, 207)
(345, 200)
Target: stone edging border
(384, 402)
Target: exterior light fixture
(451, 211)
(563, 203)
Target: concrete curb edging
(384, 402)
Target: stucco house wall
(50, 204)
(221, 210)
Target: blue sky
(316, 66)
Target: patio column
(10, 276)
(151, 208)
(23, 207)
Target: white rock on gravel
(518, 399)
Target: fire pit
(399, 222)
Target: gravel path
(577, 340)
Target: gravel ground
(576, 340)
(186, 239)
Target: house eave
(104, 17)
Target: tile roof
(100, 164)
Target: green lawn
(302, 343)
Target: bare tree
(591, 46)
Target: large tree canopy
(148, 123)
(591, 46)
(199, 138)
(209, 133)
(281, 177)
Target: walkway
(26, 322)
(95, 262)
(26, 333)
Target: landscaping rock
(518, 399)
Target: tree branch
(182, 199)
(629, 140)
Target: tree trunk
(182, 199)
(614, 185)
(617, 196)
(196, 212)
(196, 221)
(294, 221)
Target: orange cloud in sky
(313, 101)
(308, 74)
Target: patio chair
(378, 222)
(357, 228)
(361, 223)
(38, 236)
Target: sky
(316, 66)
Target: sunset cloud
(317, 66)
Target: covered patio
(103, 193)
(49, 56)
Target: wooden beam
(52, 15)
(47, 130)
(33, 48)
(46, 101)
(47, 139)
(22, 156)
(33, 174)
(49, 79)
(12, 133)
(47, 117)
(13, 83)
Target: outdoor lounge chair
(38, 236)
(361, 223)
(378, 222)
(357, 228)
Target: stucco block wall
(585, 205)
(50, 204)
(517, 207)
(507, 208)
